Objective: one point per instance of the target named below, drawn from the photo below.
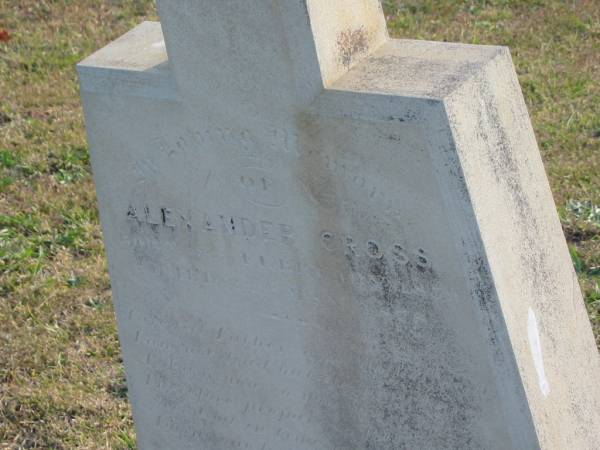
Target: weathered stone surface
(321, 238)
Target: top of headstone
(139, 50)
(272, 54)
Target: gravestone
(323, 238)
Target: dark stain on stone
(337, 376)
(399, 119)
(304, 4)
(435, 78)
(352, 43)
(486, 296)
(413, 374)
(402, 384)
(410, 115)
(503, 158)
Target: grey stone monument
(322, 238)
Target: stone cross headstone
(323, 238)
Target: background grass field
(61, 375)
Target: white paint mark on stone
(159, 44)
(536, 351)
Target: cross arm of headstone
(320, 237)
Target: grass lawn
(61, 374)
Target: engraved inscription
(261, 187)
(372, 248)
(157, 217)
(230, 396)
(163, 217)
(270, 146)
